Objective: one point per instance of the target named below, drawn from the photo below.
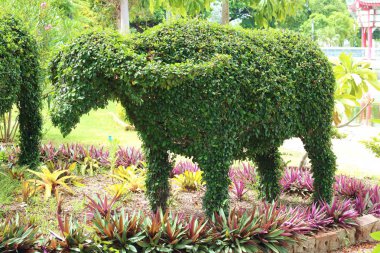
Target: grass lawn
(94, 128)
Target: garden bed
(291, 223)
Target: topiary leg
(318, 147)
(216, 167)
(157, 181)
(269, 166)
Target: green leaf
(376, 235)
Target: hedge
(205, 91)
(20, 83)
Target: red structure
(367, 14)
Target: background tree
(332, 22)
(264, 13)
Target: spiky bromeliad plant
(350, 187)
(118, 190)
(189, 181)
(132, 177)
(318, 218)
(183, 166)
(103, 206)
(199, 234)
(119, 231)
(297, 181)
(49, 181)
(268, 227)
(73, 238)
(342, 212)
(18, 235)
(238, 188)
(164, 232)
(89, 159)
(130, 156)
(280, 226)
(244, 172)
(236, 232)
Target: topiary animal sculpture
(19, 83)
(207, 91)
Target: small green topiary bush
(207, 91)
(19, 83)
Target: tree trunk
(124, 16)
(169, 16)
(225, 12)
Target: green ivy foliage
(207, 91)
(19, 83)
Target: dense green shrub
(207, 91)
(19, 83)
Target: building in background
(367, 15)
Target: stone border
(340, 238)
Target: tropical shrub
(119, 231)
(118, 190)
(132, 177)
(342, 212)
(164, 232)
(243, 232)
(317, 217)
(89, 159)
(297, 181)
(183, 166)
(199, 234)
(234, 232)
(238, 188)
(20, 83)
(374, 201)
(49, 181)
(27, 190)
(189, 181)
(18, 235)
(103, 206)
(73, 238)
(349, 187)
(129, 156)
(250, 98)
(244, 172)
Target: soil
(361, 248)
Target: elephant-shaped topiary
(20, 84)
(209, 92)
